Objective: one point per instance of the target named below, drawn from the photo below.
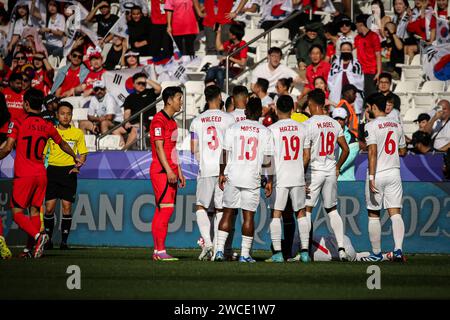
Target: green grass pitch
(129, 273)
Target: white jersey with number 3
(247, 142)
(209, 129)
(388, 135)
(323, 132)
(289, 139)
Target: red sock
(1, 226)
(154, 229)
(25, 224)
(163, 224)
(36, 221)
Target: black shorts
(61, 184)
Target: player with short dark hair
(386, 142)
(321, 178)
(247, 143)
(62, 174)
(30, 181)
(240, 99)
(289, 178)
(165, 171)
(207, 136)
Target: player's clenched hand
(182, 183)
(172, 177)
(78, 163)
(268, 189)
(74, 170)
(372, 186)
(222, 180)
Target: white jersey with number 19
(388, 136)
(289, 139)
(209, 129)
(323, 132)
(247, 142)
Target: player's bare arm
(223, 164)
(182, 183)
(267, 165)
(82, 159)
(171, 176)
(306, 158)
(372, 167)
(194, 147)
(7, 148)
(344, 154)
(402, 152)
(67, 149)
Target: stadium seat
(78, 115)
(409, 127)
(90, 142)
(110, 142)
(412, 73)
(406, 87)
(416, 60)
(251, 34)
(291, 61)
(195, 87)
(428, 93)
(279, 37)
(115, 8)
(412, 114)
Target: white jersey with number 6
(388, 136)
(247, 142)
(289, 139)
(323, 132)
(209, 129)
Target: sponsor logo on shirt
(158, 132)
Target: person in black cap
(312, 37)
(422, 120)
(346, 30)
(422, 142)
(50, 104)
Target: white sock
(246, 246)
(303, 229)
(204, 226)
(275, 233)
(337, 226)
(375, 234)
(308, 217)
(221, 239)
(398, 230)
(217, 218)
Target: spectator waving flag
(120, 28)
(436, 62)
(442, 31)
(173, 68)
(120, 82)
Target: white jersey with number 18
(247, 142)
(209, 129)
(238, 114)
(323, 132)
(289, 139)
(388, 135)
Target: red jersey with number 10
(164, 128)
(31, 136)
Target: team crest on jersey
(157, 132)
(10, 127)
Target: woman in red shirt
(182, 23)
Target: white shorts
(390, 191)
(208, 190)
(319, 183)
(240, 198)
(279, 197)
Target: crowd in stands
(42, 46)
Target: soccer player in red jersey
(165, 172)
(30, 178)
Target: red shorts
(164, 191)
(28, 191)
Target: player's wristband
(371, 177)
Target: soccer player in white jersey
(386, 143)
(248, 144)
(207, 136)
(240, 99)
(289, 179)
(321, 178)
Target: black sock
(49, 223)
(66, 222)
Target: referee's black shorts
(61, 184)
